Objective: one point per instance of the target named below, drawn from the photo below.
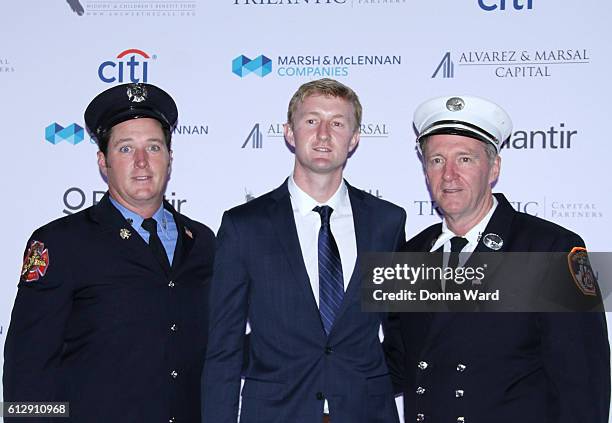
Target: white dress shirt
(473, 236)
(308, 223)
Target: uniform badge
(188, 233)
(493, 241)
(581, 270)
(35, 263)
(136, 93)
(125, 233)
(454, 104)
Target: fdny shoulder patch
(35, 263)
(581, 271)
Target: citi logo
(242, 66)
(56, 133)
(490, 5)
(131, 66)
(446, 67)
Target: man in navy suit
(110, 314)
(494, 367)
(288, 263)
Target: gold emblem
(125, 233)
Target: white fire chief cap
(469, 116)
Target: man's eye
(310, 121)
(155, 147)
(124, 149)
(465, 159)
(337, 124)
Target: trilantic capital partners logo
(133, 8)
(6, 66)
(72, 134)
(519, 63)
(314, 66)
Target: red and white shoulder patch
(35, 262)
(581, 271)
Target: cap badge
(125, 233)
(493, 241)
(137, 93)
(454, 104)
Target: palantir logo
(137, 68)
(255, 137)
(447, 67)
(73, 133)
(243, 66)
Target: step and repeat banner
(232, 66)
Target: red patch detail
(35, 263)
(582, 273)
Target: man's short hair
(489, 149)
(106, 136)
(327, 87)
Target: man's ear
(102, 164)
(288, 131)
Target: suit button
(320, 396)
(420, 390)
(328, 350)
(174, 374)
(420, 417)
(174, 327)
(423, 365)
(171, 284)
(461, 367)
(459, 393)
(460, 419)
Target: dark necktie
(331, 285)
(457, 244)
(150, 225)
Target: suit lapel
(121, 232)
(184, 242)
(283, 222)
(363, 239)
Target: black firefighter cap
(129, 101)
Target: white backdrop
(546, 62)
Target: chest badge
(125, 233)
(493, 241)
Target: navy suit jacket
(293, 366)
(502, 367)
(105, 327)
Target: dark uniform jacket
(293, 365)
(99, 324)
(502, 367)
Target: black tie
(457, 244)
(150, 225)
(331, 285)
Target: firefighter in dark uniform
(493, 367)
(111, 309)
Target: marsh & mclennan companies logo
(311, 66)
(524, 63)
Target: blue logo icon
(73, 133)
(447, 67)
(243, 66)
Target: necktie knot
(457, 244)
(149, 225)
(325, 213)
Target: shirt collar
(473, 235)
(304, 203)
(134, 218)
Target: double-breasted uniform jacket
(293, 366)
(98, 323)
(502, 367)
